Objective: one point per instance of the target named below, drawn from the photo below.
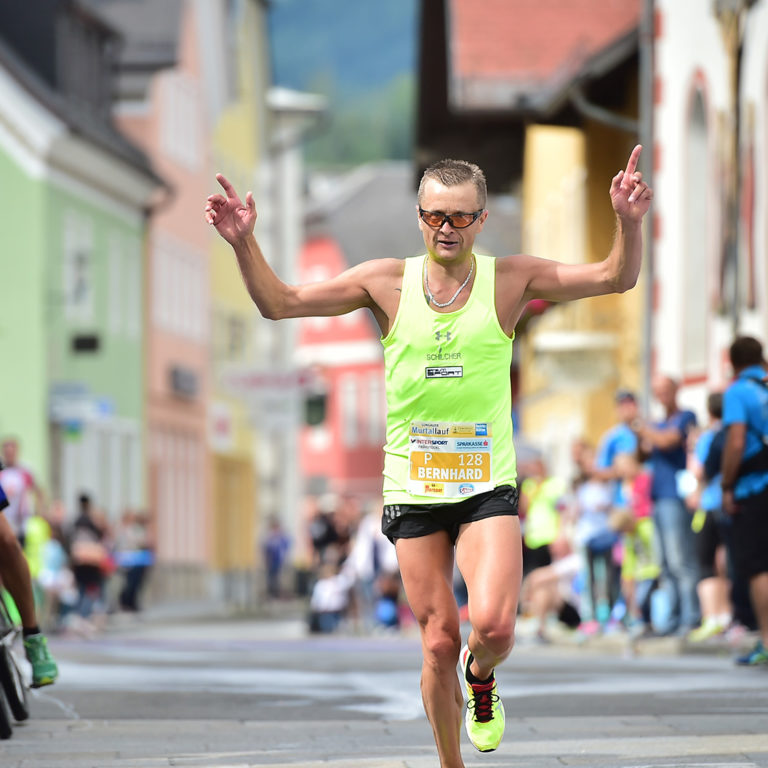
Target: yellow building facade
(240, 145)
(574, 356)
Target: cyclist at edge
(447, 321)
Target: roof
(371, 213)
(149, 32)
(504, 53)
(99, 132)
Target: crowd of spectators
(643, 539)
(82, 567)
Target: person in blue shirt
(744, 478)
(665, 444)
(617, 447)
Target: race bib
(449, 460)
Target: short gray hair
(451, 173)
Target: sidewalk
(287, 618)
(620, 643)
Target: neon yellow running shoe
(44, 669)
(485, 712)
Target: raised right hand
(233, 220)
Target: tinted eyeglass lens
(461, 219)
(456, 220)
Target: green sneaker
(485, 712)
(44, 669)
(756, 657)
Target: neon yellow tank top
(449, 399)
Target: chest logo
(444, 372)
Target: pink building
(164, 113)
(342, 454)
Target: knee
(9, 544)
(441, 644)
(497, 634)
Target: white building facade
(710, 280)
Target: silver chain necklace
(431, 298)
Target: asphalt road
(224, 694)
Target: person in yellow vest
(540, 496)
(447, 320)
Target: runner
(14, 576)
(447, 320)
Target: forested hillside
(361, 55)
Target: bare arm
(733, 450)
(661, 438)
(353, 289)
(277, 300)
(735, 441)
(618, 272)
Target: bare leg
(426, 567)
(490, 557)
(542, 596)
(758, 590)
(14, 573)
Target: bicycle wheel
(13, 684)
(6, 729)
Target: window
(115, 308)
(181, 116)
(78, 269)
(349, 411)
(376, 409)
(179, 296)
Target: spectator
(322, 528)
(56, 580)
(134, 556)
(712, 530)
(275, 548)
(617, 451)
(639, 566)
(549, 589)
(744, 479)
(19, 484)
(329, 601)
(90, 561)
(372, 564)
(664, 443)
(595, 539)
(540, 496)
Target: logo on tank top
(444, 372)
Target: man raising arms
(447, 320)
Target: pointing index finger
(633, 158)
(228, 188)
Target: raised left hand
(630, 195)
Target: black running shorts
(750, 535)
(409, 521)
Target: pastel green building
(75, 196)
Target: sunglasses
(436, 219)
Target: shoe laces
(482, 701)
